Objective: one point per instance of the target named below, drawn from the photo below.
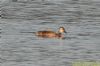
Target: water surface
(20, 47)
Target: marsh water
(20, 47)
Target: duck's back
(45, 32)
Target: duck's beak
(65, 32)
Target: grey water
(20, 47)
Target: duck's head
(62, 30)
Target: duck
(51, 34)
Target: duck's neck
(60, 35)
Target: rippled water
(20, 47)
